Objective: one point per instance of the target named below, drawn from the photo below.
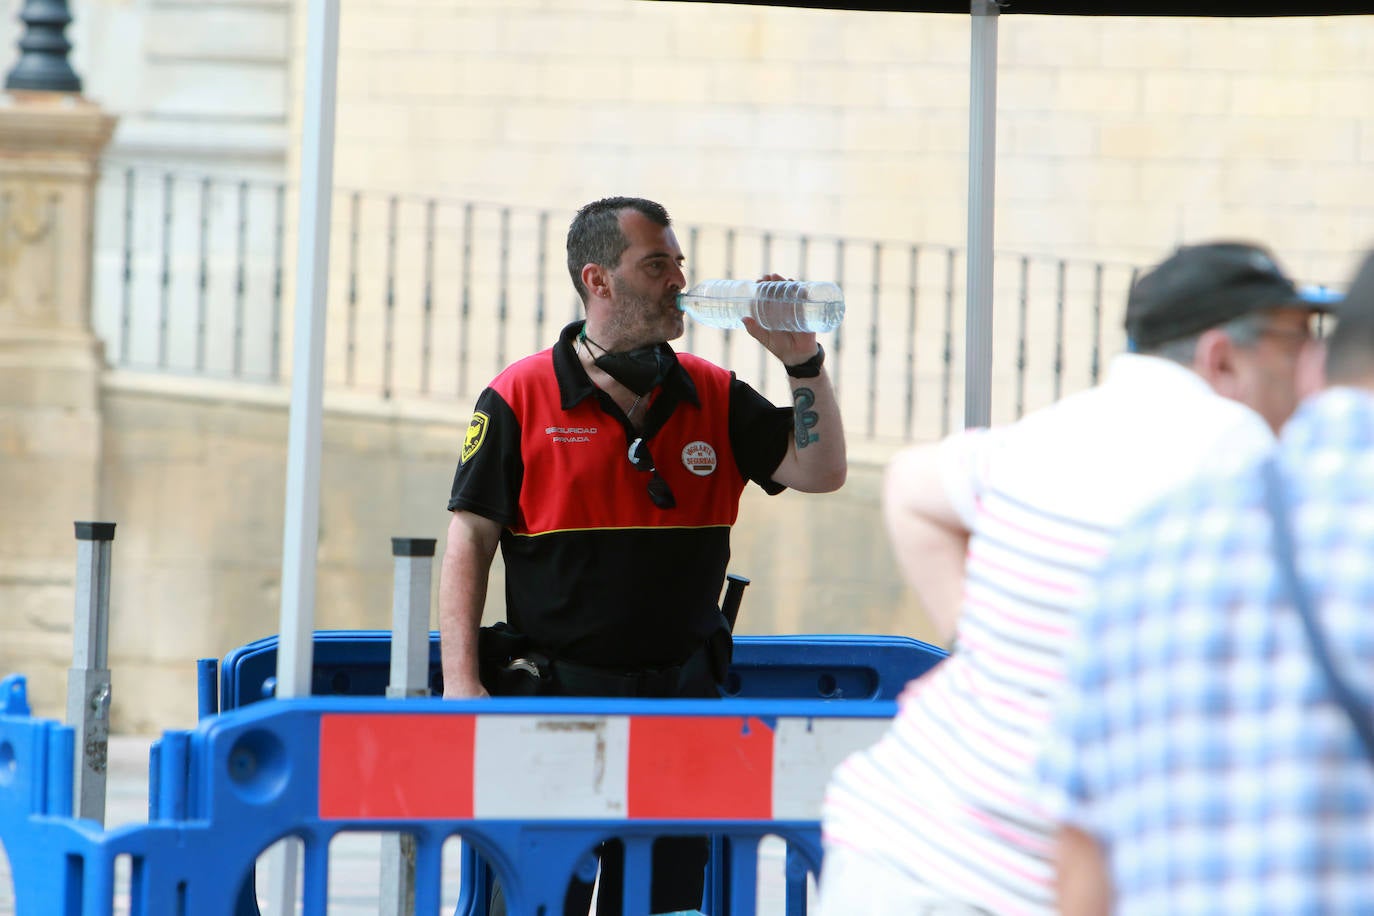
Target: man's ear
(1215, 360)
(597, 280)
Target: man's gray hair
(1244, 332)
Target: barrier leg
(718, 877)
(474, 884)
(744, 874)
(207, 687)
(795, 872)
(637, 865)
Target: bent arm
(929, 539)
(1082, 882)
(815, 461)
(463, 577)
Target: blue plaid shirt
(1196, 738)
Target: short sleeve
(966, 460)
(490, 469)
(1066, 797)
(759, 434)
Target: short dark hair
(595, 237)
(1350, 345)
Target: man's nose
(679, 277)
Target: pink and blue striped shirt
(948, 796)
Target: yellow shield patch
(477, 434)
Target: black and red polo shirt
(596, 573)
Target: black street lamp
(43, 49)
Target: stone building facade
(1117, 139)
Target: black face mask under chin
(641, 370)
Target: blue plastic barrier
(810, 666)
(819, 666)
(314, 768)
(823, 666)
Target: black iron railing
(430, 297)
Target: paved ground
(355, 860)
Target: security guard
(609, 470)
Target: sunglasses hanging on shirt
(642, 460)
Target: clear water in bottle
(778, 305)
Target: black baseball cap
(1204, 286)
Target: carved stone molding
(50, 144)
(53, 123)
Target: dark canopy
(1212, 8)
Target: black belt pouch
(509, 665)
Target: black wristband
(809, 369)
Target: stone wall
(1117, 136)
(193, 475)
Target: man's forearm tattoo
(803, 417)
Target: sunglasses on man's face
(641, 460)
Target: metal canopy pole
(301, 535)
(295, 655)
(982, 168)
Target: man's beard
(638, 320)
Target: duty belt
(609, 682)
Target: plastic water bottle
(778, 305)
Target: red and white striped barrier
(581, 767)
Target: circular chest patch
(699, 458)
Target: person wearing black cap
(1229, 312)
(998, 532)
(1213, 748)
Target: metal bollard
(413, 563)
(88, 680)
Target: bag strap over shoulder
(1285, 553)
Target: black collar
(574, 384)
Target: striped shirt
(1195, 736)
(948, 795)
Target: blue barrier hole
(258, 766)
(255, 894)
(8, 765)
(124, 868)
(358, 881)
(783, 882)
(826, 686)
